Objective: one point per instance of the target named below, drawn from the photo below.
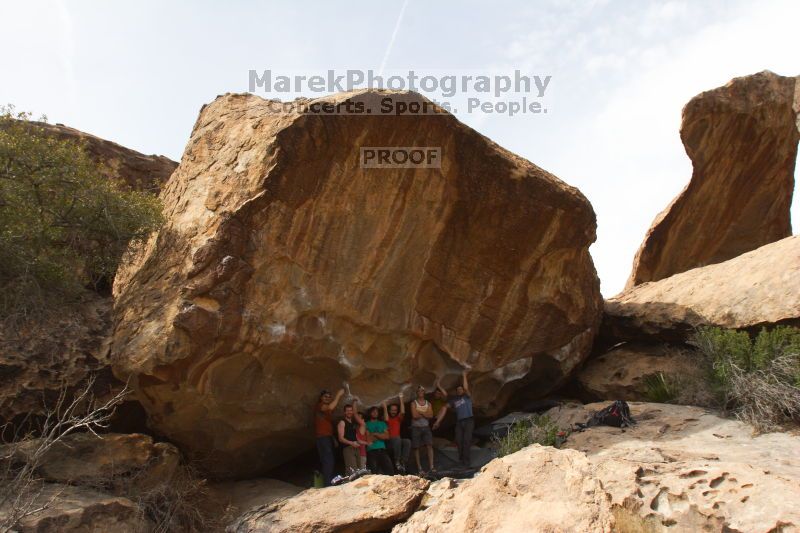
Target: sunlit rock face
(742, 140)
(285, 267)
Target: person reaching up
(421, 414)
(400, 447)
(377, 432)
(323, 428)
(461, 403)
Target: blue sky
(138, 73)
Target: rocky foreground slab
(680, 469)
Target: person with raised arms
(400, 447)
(421, 435)
(461, 403)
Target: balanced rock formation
(371, 503)
(623, 372)
(759, 288)
(742, 140)
(680, 469)
(286, 266)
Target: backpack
(618, 415)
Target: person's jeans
(326, 458)
(464, 429)
(379, 462)
(401, 449)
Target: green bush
(63, 224)
(536, 429)
(757, 379)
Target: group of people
(367, 439)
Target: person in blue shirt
(461, 403)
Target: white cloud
(630, 76)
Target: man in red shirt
(323, 428)
(401, 448)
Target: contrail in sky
(394, 35)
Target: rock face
(539, 489)
(742, 140)
(758, 288)
(39, 357)
(139, 171)
(622, 373)
(286, 267)
(371, 503)
(680, 469)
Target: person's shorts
(421, 436)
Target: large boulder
(742, 140)
(286, 267)
(759, 288)
(680, 469)
(371, 503)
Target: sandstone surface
(539, 489)
(759, 288)
(686, 469)
(286, 267)
(370, 503)
(742, 140)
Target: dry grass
(173, 499)
(179, 503)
